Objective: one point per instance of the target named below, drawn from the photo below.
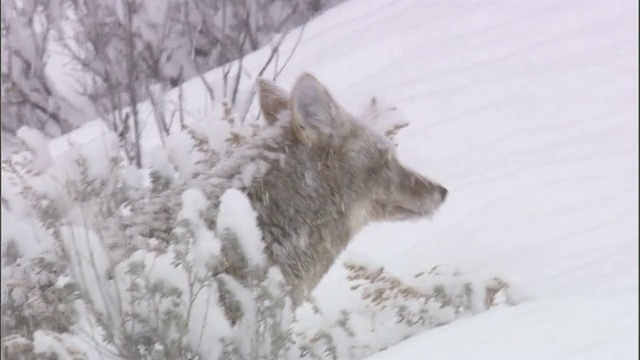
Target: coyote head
(356, 166)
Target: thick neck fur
(302, 209)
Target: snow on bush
(77, 283)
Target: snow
(237, 215)
(37, 143)
(194, 202)
(527, 111)
(206, 247)
(134, 179)
(89, 261)
(179, 146)
(66, 346)
(30, 240)
(160, 162)
(545, 329)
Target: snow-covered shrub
(69, 270)
(437, 297)
(395, 309)
(187, 299)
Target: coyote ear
(274, 100)
(314, 113)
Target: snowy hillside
(527, 111)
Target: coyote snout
(404, 194)
(413, 196)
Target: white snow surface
(236, 214)
(527, 111)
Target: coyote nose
(443, 192)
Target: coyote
(316, 180)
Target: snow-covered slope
(528, 112)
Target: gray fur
(320, 179)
